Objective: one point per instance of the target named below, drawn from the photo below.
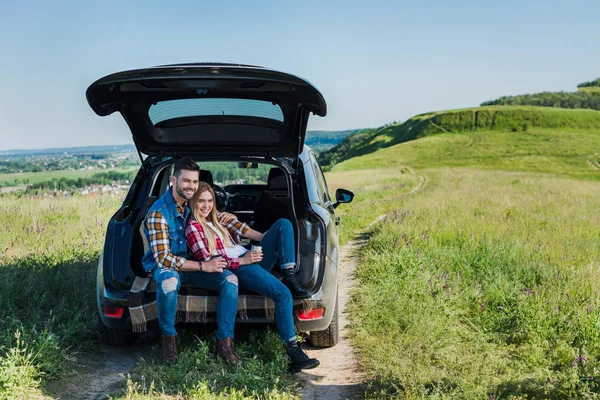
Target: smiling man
(165, 259)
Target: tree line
(594, 83)
(582, 99)
(101, 178)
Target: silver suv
(233, 117)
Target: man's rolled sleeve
(236, 228)
(158, 231)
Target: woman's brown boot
(225, 351)
(169, 349)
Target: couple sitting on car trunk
(186, 216)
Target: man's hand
(225, 217)
(251, 257)
(217, 264)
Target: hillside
(483, 274)
(480, 119)
(324, 140)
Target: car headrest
(276, 180)
(206, 176)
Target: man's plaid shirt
(158, 232)
(197, 242)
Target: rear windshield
(166, 110)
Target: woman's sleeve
(196, 241)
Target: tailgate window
(171, 109)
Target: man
(165, 259)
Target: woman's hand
(217, 264)
(251, 257)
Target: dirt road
(338, 376)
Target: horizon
(374, 65)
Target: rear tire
(331, 335)
(115, 337)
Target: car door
(324, 201)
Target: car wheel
(330, 336)
(115, 337)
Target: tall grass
(484, 283)
(49, 250)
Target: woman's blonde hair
(211, 237)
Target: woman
(209, 240)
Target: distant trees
(580, 99)
(594, 83)
(101, 178)
(336, 153)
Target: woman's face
(205, 204)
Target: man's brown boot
(225, 351)
(169, 349)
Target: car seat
(272, 203)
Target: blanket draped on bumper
(190, 308)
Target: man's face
(186, 184)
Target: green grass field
(481, 283)
(37, 177)
(484, 282)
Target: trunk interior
(259, 200)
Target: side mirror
(342, 196)
(246, 164)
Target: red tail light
(315, 313)
(113, 312)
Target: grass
(590, 89)
(48, 256)
(483, 283)
(199, 375)
(562, 152)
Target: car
(245, 126)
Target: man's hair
(187, 164)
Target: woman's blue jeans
(277, 244)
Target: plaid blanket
(143, 308)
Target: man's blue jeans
(168, 283)
(277, 243)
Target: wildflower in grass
(529, 291)
(580, 361)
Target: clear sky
(374, 61)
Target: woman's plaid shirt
(197, 242)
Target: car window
(320, 179)
(166, 110)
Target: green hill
(483, 276)
(490, 118)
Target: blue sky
(374, 61)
